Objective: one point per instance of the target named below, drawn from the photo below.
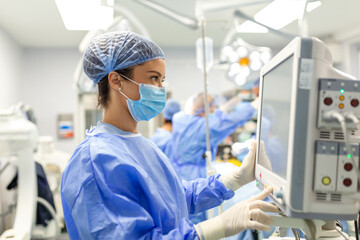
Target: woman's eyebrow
(156, 72)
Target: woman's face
(151, 72)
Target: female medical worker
(162, 136)
(118, 184)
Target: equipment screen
(275, 117)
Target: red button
(348, 166)
(354, 102)
(328, 101)
(347, 182)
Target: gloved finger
(262, 195)
(258, 226)
(261, 217)
(250, 158)
(264, 206)
(253, 147)
(252, 150)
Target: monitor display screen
(275, 117)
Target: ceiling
(37, 23)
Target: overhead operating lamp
(245, 61)
(278, 14)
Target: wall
(47, 85)
(184, 79)
(10, 67)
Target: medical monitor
(300, 153)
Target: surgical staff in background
(162, 136)
(119, 184)
(189, 133)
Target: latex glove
(255, 103)
(244, 174)
(248, 214)
(264, 160)
(241, 147)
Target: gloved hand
(255, 103)
(244, 174)
(247, 214)
(264, 160)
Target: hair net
(171, 107)
(117, 50)
(195, 105)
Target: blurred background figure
(162, 136)
(189, 134)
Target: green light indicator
(342, 91)
(349, 155)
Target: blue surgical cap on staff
(171, 108)
(117, 50)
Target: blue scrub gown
(119, 185)
(162, 139)
(189, 138)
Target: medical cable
(3, 214)
(356, 229)
(341, 119)
(353, 118)
(296, 233)
(341, 233)
(51, 210)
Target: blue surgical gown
(162, 139)
(189, 138)
(119, 185)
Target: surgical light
(265, 56)
(84, 14)
(255, 65)
(234, 69)
(251, 27)
(241, 51)
(280, 13)
(245, 61)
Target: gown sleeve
(99, 214)
(203, 194)
(223, 124)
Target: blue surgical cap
(171, 107)
(117, 50)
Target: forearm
(204, 194)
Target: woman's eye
(163, 80)
(154, 78)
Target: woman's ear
(114, 80)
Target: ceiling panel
(37, 23)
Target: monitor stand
(313, 229)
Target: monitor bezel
(264, 176)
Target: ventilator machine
(311, 155)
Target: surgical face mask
(151, 103)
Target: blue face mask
(151, 103)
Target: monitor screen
(275, 117)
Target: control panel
(340, 95)
(334, 170)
